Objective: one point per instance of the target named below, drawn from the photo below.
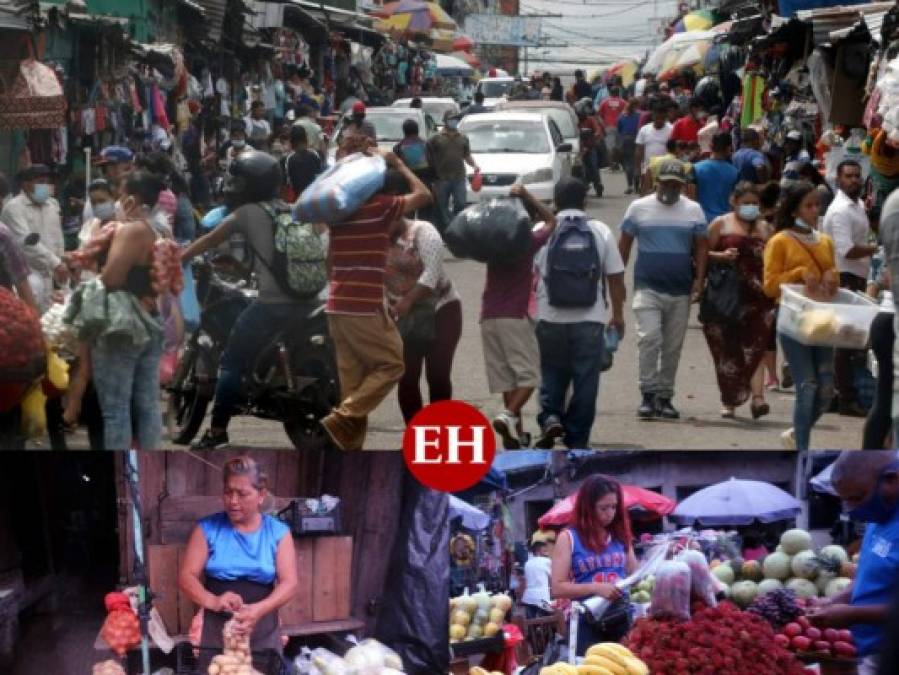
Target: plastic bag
(34, 415)
(477, 181)
(652, 561)
(702, 583)
(62, 337)
(190, 304)
(497, 230)
(370, 656)
(329, 663)
(671, 595)
(341, 190)
(56, 381)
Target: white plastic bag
(702, 583)
(370, 656)
(671, 595)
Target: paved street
(616, 425)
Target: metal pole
(140, 569)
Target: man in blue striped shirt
(670, 270)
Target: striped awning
(830, 24)
(215, 17)
(17, 14)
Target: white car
(494, 89)
(434, 106)
(388, 124)
(516, 148)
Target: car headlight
(538, 176)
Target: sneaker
(506, 425)
(211, 440)
(786, 377)
(665, 410)
(552, 431)
(788, 439)
(647, 409)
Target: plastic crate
(846, 320)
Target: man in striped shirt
(369, 348)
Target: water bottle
(612, 339)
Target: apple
(792, 630)
(844, 649)
(801, 643)
(831, 634)
(782, 640)
(845, 635)
(813, 634)
(822, 646)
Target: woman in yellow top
(798, 254)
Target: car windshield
(495, 89)
(563, 119)
(506, 136)
(437, 109)
(389, 126)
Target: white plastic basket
(844, 321)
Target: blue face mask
(41, 193)
(800, 224)
(105, 211)
(748, 212)
(875, 509)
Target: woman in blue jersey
(240, 563)
(594, 553)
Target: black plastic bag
(496, 231)
(722, 298)
(414, 612)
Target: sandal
(760, 409)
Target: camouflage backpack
(298, 264)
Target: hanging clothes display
(35, 100)
(753, 97)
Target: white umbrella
(670, 49)
(450, 65)
(472, 517)
(737, 502)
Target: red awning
(640, 502)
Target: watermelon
(777, 566)
(795, 540)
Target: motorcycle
(292, 380)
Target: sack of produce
(121, 630)
(671, 594)
(341, 190)
(166, 272)
(60, 336)
(493, 231)
(236, 658)
(369, 657)
(702, 583)
(23, 354)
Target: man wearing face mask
(448, 153)
(868, 484)
(670, 270)
(236, 144)
(34, 211)
(115, 162)
(687, 127)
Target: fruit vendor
(240, 563)
(868, 484)
(594, 554)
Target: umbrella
(462, 43)
(693, 55)
(702, 19)
(449, 66)
(737, 502)
(665, 56)
(626, 70)
(638, 501)
(412, 16)
(472, 517)
(468, 57)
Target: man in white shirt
(576, 265)
(33, 217)
(846, 222)
(537, 573)
(652, 139)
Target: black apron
(265, 636)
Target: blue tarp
(788, 8)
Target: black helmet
(253, 176)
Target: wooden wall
(368, 483)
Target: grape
(778, 607)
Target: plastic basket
(845, 321)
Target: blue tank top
(248, 556)
(588, 566)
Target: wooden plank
(163, 568)
(186, 607)
(331, 571)
(299, 609)
(322, 627)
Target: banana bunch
(607, 658)
(477, 670)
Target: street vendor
(868, 484)
(240, 563)
(594, 554)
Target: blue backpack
(573, 265)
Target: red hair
(586, 520)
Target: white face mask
(105, 211)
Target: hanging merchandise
(35, 100)
(753, 93)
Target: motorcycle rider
(591, 136)
(254, 177)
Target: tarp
(789, 8)
(414, 613)
(472, 517)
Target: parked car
(494, 89)
(516, 147)
(388, 124)
(434, 106)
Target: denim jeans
(446, 189)
(127, 382)
(591, 166)
(251, 333)
(570, 355)
(812, 369)
(661, 329)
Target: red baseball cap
(358, 107)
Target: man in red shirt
(687, 127)
(368, 345)
(609, 112)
